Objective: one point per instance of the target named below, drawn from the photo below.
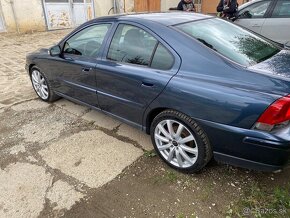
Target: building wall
(102, 7)
(209, 6)
(29, 15)
(166, 4)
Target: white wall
(166, 4)
(28, 15)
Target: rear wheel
(180, 141)
(42, 86)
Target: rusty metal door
(61, 14)
(82, 10)
(58, 14)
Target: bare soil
(149, 188)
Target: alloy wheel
(176, 143)
(39, 84)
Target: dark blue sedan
(200, 86)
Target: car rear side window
(87, 42)
(282, 9)
(163, 59)
(230, 40)
(133, 45)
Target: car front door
(134, 71)
(75, 70)
(253, 16)
(277, 27)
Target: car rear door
(277, 26)
(253, 16)
(135, 69)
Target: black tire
(51, 95)
(202, 143)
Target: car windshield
(230, 40)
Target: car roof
(164, 18)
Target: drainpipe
(14, 15)
(115, 6)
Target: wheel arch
(30, 67)
(151, 115)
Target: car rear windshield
(230, 40)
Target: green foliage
(150, 153)
(262, 202)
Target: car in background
(201, 86)
(270, 18)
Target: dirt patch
(148, 188)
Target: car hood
(278, 65)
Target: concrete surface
(22, 190)
(53, 155)
(91, 157)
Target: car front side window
(133, 45)
(256, 10)
(87, 42)
(282, 9)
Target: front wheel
(180, 141)
(42, 86)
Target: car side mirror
(55, 51)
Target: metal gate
(62, 14)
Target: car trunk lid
(278, 65)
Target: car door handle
(147, 85)
(68, 59)
(87, 69)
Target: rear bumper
(249, 164)
(247, 148)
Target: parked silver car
(270, 18)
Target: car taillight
(276, 115)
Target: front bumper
(246, 148)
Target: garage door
(61, 14)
